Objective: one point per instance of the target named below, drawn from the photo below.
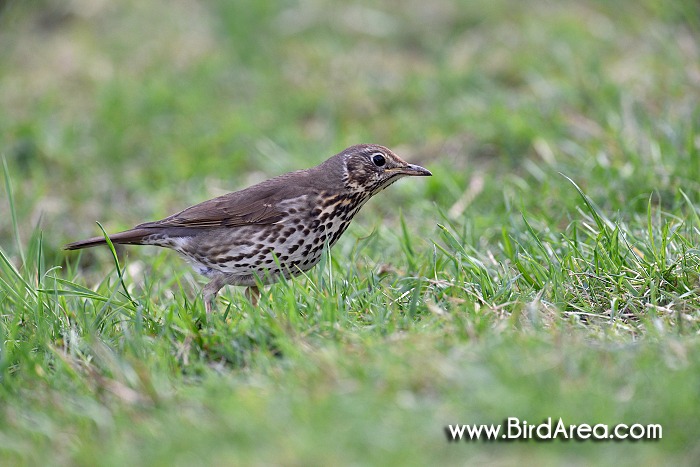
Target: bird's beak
(413, 170)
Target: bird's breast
(289, 246)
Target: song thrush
(277, 227)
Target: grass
(549, 268)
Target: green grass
(549, 268)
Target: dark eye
(378, 160)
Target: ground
(548, 269)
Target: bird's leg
(210, 290)
(252, 293)
(209, 304)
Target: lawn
(549, 269)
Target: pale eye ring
(378, 159)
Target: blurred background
(127, 111)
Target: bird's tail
(130, 237)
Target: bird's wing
(259, 204)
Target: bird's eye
(378, 160)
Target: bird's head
(370, 168)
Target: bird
(276, 228)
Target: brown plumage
(275, 228)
